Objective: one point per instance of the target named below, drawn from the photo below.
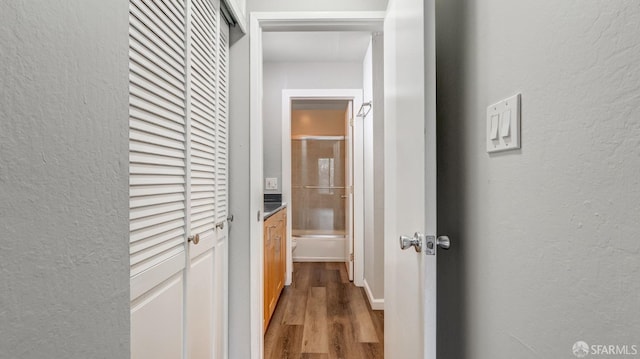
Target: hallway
(323, 315)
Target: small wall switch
(495, 119)
(506, 124)
(271, 183)
(504, 117)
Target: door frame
(354, 95)
(279, 21)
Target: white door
(410, 178)
(348, 192)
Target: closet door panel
(205, 260)
(158, 177)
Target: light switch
(271, 183)
(495, 119)
(503, 125)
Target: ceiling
(315, 46)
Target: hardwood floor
(323, 315)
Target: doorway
(320, 202)
(313, 238)
(369, 22)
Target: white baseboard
(376, 304)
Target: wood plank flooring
(323, 315)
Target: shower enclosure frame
(357, 164)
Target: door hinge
(351, 122)
(351, 257)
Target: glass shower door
(319, 188)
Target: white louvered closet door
(178, 179)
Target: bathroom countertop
(271, 208)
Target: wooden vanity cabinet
(275, 261)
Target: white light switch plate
(503, 125)
(271, 183)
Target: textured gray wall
(239, 198)
(64, 217)
(545, 239)
(378, 166)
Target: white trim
(286, 184)
(256, 197)
(376, 304)
(238, 15)
(354, 95)
(358, 195)
(319, 21)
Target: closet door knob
(195, 239)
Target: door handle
(195, 239)
(429, 243)
(443, 242)
(407, 242)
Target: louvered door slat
(149, 200)
(201, 97)
(154, 149)
(149, 236)
(158, 88)
(169, 22)
(204, 133)
(157, 138)
(156, 255)
(152, 94)
(202, 112)
(201, 35)
(166, 82)
(149, 118)
(206, 11)
(146, 55)
(158, 23)
(157, 163)
(176, 7)
(160, 128)
(203, 116)
(222, 126)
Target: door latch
(431, 242)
